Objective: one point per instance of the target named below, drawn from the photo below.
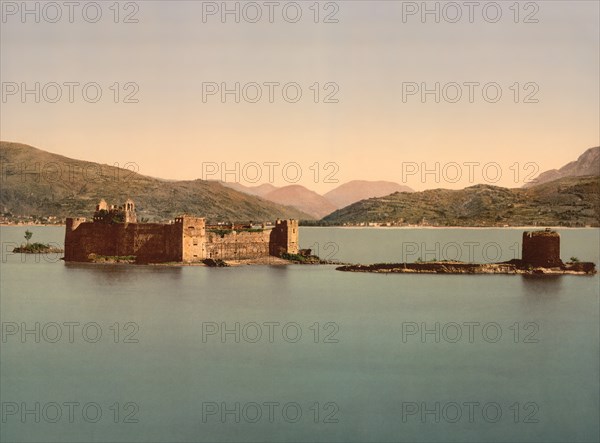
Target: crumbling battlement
(112, 233)
(124, 213)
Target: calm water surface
(301, 353)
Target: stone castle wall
(185, 240)
(239, 245)
(149, 242)
(284, 237)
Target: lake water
(116, 353)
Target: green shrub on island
(37, 248)
(294, 257)
(433, 260)
(305, 259)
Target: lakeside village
(9, 219)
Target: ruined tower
(72, 241)
(541, 249)
(284, 238)
(115, 214)
(193, 232)
(102, 206)
(129, 211)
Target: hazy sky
(367, 60)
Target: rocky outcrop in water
(541, 255)
(454, 267)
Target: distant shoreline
(31, 224)
(455, 227)
(372, 227)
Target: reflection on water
(544, 285)
(122, 273)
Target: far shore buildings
(115, 232)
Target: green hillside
(570, 201)
(31, 185)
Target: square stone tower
(284, 238)
(193, 231)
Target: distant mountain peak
(587, 163)
(357, 190)
(258, 190)
(303, 199)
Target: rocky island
(35, 248)
(540, 256)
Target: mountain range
(39, 184)
(42, 184)
(568, 201)
(569, 196)
(321, 205)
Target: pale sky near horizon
(171, 54)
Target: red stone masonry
(112, 233)
(541, 249)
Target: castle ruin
(115, 232)
(541, 249)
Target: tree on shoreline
(28, 235)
